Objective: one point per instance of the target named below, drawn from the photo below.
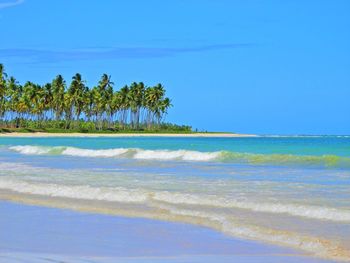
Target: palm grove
(76, 106)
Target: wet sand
(39, 234)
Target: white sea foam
(121, 194)
(175, 155)
(94, 153)
(189, 155)
(84, 192)
(315, 245)
(171, 202)
(307, 211)
(29, 149)
(119, 152)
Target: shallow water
(292, 191)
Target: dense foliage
(76, 106)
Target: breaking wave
(84, 192)
(133, 153)
(307, 211)
(171, 205)
(121, 194)
(189, 155)
(315, 245)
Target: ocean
(289, 191)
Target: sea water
(290, 191)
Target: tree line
(68, 105)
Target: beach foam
(202, 208)
(176, 155)
(84, 192)
(200, 215)
(133, 153)
(315, 245)
(188, 155)
(121, 194)
(94, 153)
(307, 211)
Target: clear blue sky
(268, 67)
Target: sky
(263, 67)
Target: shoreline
(102, 208)
(116, 135)
(34, 232)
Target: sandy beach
(39, 234)
(44, 134)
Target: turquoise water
(312, 151)
(327, 145)
(291, 191)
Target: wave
(84, 192)
(168, 205)
(133, 153)
(288, 159)
(307, 211)
(176, 155)
(189, 155)
(315, 245)
(121, 194)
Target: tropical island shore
(58, 108)
(47, 134)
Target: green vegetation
(58, 107)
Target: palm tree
(58, 90)
(116, 105)
(23, 105)
(13, 94)
(89, 104)
(68, 112)
(136, 94)
(105, 88)
(33, 104)
(124, 104)
(153, 97)
(48, 100)
(77, 95)
(2, 90)
(29, 98)
(97, 105)
(37, 99)
(165, 104)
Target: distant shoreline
(46, 134)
